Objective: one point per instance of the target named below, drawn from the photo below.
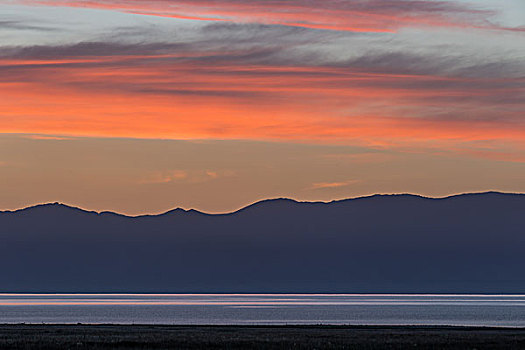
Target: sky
(141, 106)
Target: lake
(264, 309)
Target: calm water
(386, 309)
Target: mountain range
(468, 243)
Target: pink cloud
(355, 16)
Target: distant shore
(25, 336)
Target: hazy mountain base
(402, 243)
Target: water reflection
(457, 309)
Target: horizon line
(178, 209)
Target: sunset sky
(140, 106)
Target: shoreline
(111, 336)
(288, 325)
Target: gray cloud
(89, 49)
(22, 25)
(395, 62)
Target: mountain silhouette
(470, 243)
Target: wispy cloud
(185, 176)
(165, 177)
(354, 16)
(331, 185)
(93, 88)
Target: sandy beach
(259, 337)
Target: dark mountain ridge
(383, 243)
(264, 202)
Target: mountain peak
(45, 206)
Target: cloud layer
(186, 91)
(265, 72)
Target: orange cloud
(325, 185)
(164, 96)
(165, 177)
(191, 177)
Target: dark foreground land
(257, 337)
